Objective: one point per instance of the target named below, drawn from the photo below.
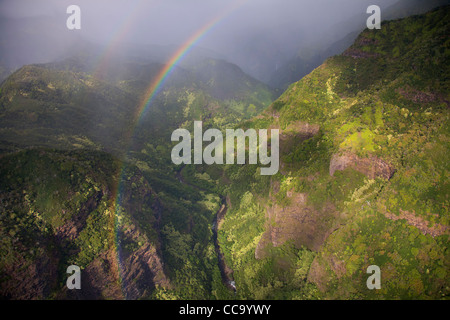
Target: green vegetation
(85, 207)
(385, 97)
(363, 178)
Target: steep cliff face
(58, 209)
(142, 269)
(297, 222)
(363, 178)
(372, 167)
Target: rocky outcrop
(142, 269)
(302, 128)
(70, 230)
(28, 279)
(420, 223)
(318, 275)
(295, 133)
(292, 136)
(373, 167)
(99, 280)
(359, 54)
(297, 222)
(120, 274)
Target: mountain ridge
(302, 64)
(363, 142)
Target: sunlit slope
(364, 178)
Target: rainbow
(116, 38)
(102, 63)
(148, 97)
(164, 73)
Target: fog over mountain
(259, 35)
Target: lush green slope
(345, 32)
(65, 200)
(364, 177)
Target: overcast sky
(172, 21)
(276, 28)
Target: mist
(257, 35)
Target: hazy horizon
(257, 35)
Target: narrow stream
(225, 271)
